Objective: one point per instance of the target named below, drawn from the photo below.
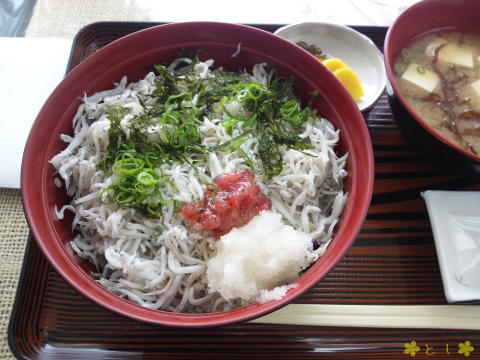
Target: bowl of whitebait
(197, 174)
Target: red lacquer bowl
(134, 56)
(419, 20)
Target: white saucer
(355, 49)
(455, 219)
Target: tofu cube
(423, 78)
(458, 55)
(476, 87)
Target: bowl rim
(82, 282)
(369, 44)
(326, 24)
(392, 81)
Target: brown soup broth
(453, 107)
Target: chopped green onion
(289, 108)
(167, 130)
(399, 68)
(406, 55)
(421, 70)
(147, 178)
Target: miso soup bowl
(134, 56)
(424, 18)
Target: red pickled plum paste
(232, 201)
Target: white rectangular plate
(455, 219)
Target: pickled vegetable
(350, 80)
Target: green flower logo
(465, 348)
(412, 348)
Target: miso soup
(440, 77)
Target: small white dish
(455, 220)
(355, 49)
